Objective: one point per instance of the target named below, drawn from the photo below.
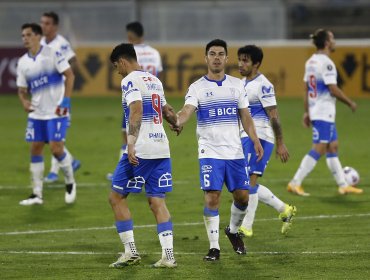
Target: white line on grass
(186, 253)
(176, 224)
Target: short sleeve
(329, 73)
(61, 62)
(67, 50)
(243, 96)
(21, 78)
(266, 94)
(130, 91)
(191, 97)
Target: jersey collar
(219, 83)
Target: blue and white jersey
(152, 141)
(320, 72)
(149, 59)
(42, 76)
(217, 104)
(261, 94)
(59, 43)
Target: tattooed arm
(136, 113)
(281, 149)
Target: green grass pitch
(330, 238)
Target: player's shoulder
(232, 79)
(61, 39)
(264, 81)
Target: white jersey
(261, 94)
(149, 59)
(42, 75)
(152, 141)
(217, 104)
(59, 43)
(320, 72)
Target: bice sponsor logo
(222, 111)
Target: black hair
(135, 27)
(34, 26)
(52, 15)
(124, 50)
(319, 37)
(255, 53)
(217, 43)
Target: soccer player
(147, 160)
(49, 24)
(320, 80)
(46, 75)
(148, 58)
(220, 101)
(263, 109)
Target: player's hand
(177, 129)
(353, 106)
(306, 120)
(259, 150)
(64, 107)
(282, 152)
(131, 155)
(27, 106)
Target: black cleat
(237, 241)
(213, 255)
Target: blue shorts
(155, 174)
(253, 166)
(46, 130)
(215, 172)
(323, 132)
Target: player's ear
(205, 59)
(226, 58)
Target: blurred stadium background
(330, 236)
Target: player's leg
(123, 183)
(158, 182)
(54, 170)
(335, 167)
(246, 228)
(320, 138)
(36, 133)
(212, 173)
(56, 133)
(236, 180)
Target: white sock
(37, 173)
(66, 166)
(212, 224)
(307, 165)
(251, 210)
(166, 240)
(236, 217)
(127, 238)
(55, 163)
(336, 169)
(267, 197)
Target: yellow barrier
(284, 66)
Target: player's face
(216, 59)
(331, 41)
(246, 67)
(29, 38)
(120, 66)
(48, 26)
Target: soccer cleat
(76, 164)
(51, 178)
(349, 190)
(126, 260)
(236, 241)
(213, 255)
(287, 217)
(31, 200)
(165, 263)
(298, 190)
(244, 232)
(70, 195)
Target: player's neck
(251, 76)
(34, 50)
(323, 51)
(215, 76)
(50, 38)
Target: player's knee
(113, 199)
